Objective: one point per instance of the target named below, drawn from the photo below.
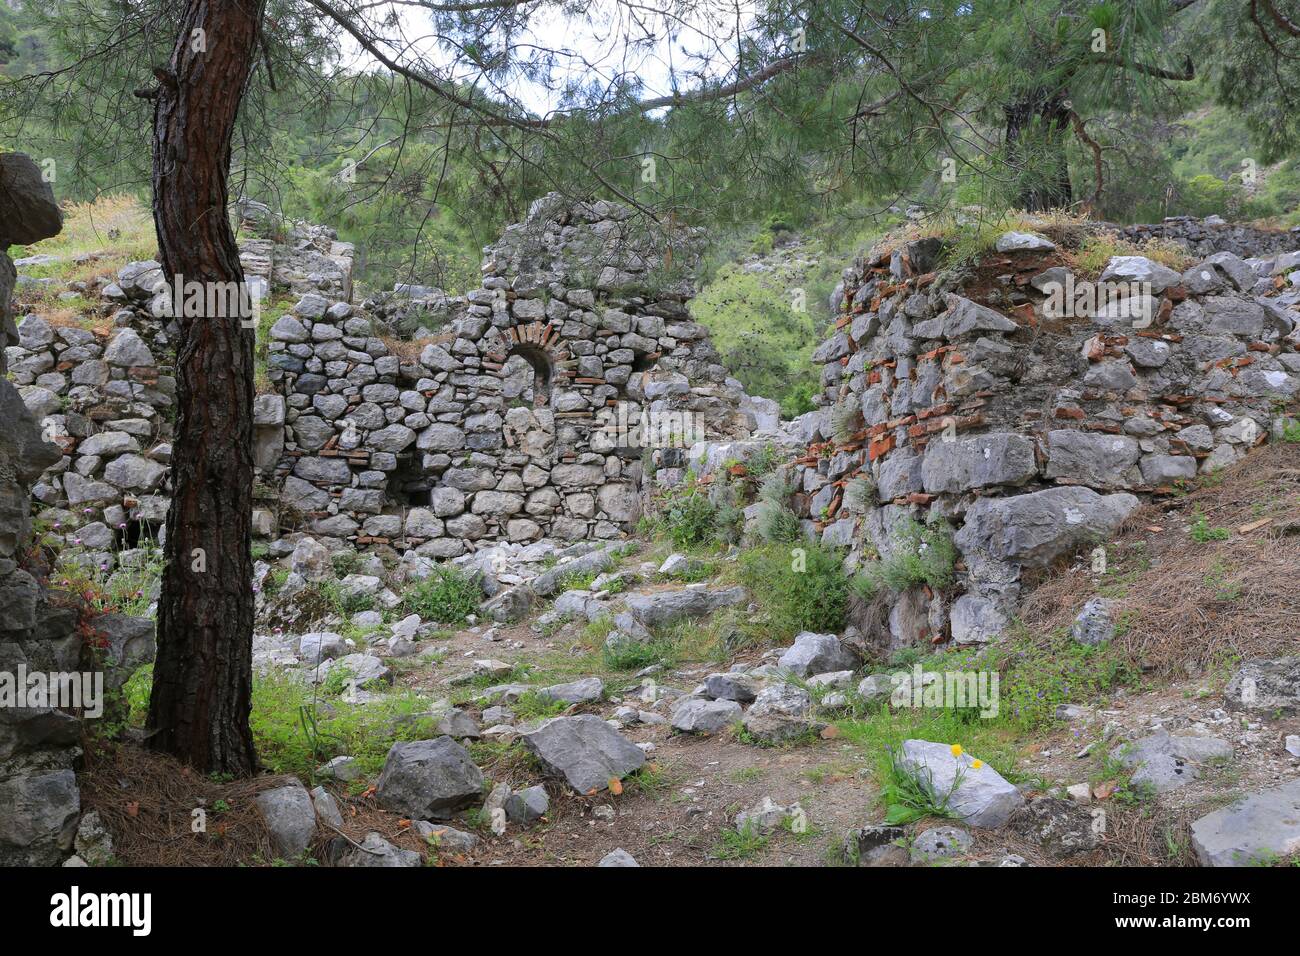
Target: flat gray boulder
(1037, 528)
(999, 458)
(375, 851)
(619, 857)
(694, 715)
(964, 316)
(982, 797)
(1092, 458)
(593, 562)
(527, 806)
(30, 210)
(1266, 686)
(817, 654)
(1259, 829)
(290, 815)
(940, 843)
(1165, 762)
(1095, 624)
(661, 607)
(781, 713)
(361, 670)
(321, 645)
(587, 752)
(1023, 242)
(1140, 269)
(429, 779)
(739, 687)
(584, 691)
(1061, 827)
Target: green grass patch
(800, 588)
(1202, 531)
(293, 733)
(448, 596)
(532, 705)
(741, 844)
(923, 554)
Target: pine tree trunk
(1045, 120)
(202, 682)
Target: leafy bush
(764, 461)
(729, 513)
(136, 692)
(865, 585)
(345, 562)
(346, 602)
(447, 596)
(776, 487)
(689, 517)
(802, 589)
(775, 522)
(1039, 676)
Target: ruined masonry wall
(39, 800)
(489, 430)
(1204, 237)
(964, 396)
(494, 428)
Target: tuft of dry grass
(408, 350)
(1185, 606)
(97, 240)
(1092, 255)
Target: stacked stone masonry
(1204, 237)
(39, 746)
(497, 425)
(965, 395)
(500, 426)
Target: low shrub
(802, 588)
(448, 596)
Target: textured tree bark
(1045, 119)
(202, 682)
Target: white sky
(597, 51)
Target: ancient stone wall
(507, 424)
(515, 418)
(1204, 237)
(39, 800)
(974, 397)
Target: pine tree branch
(1188, 72)
(1282, 21)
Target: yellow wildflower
(956, 750)
(975, 765)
